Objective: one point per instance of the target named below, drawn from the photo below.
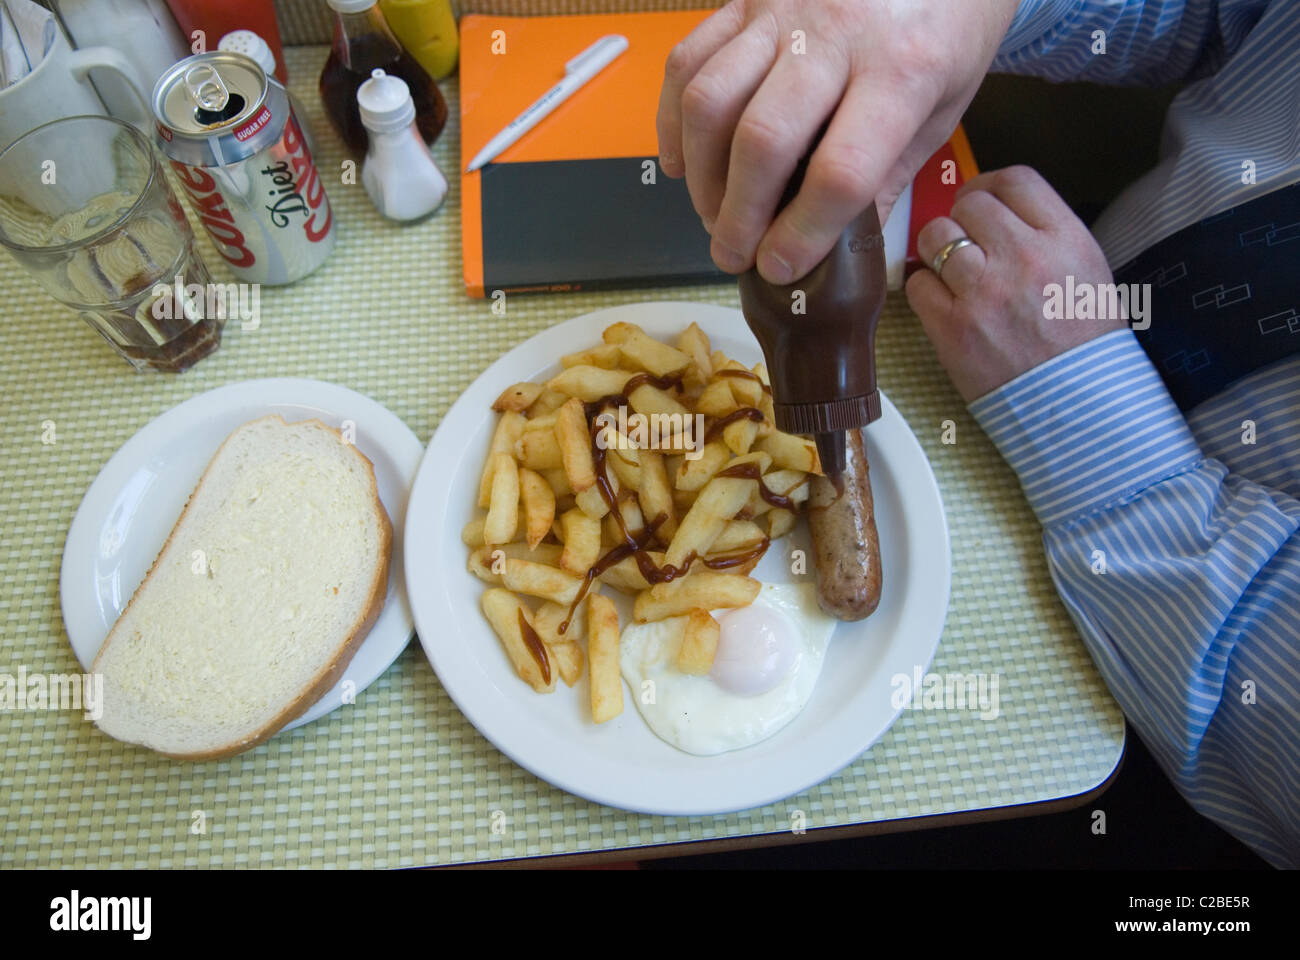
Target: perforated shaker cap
(351, 6)
(250, 45)
(385, 103)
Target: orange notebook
(567, 206)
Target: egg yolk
(757, 649)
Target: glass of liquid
(85, 208)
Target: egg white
(695, 714)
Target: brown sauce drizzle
(535, 646)
(635, 542)
(744, 413)
(745, 375)
(750, 471)
(673, 382)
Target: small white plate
(621, 763)
(129, 510)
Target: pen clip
(600, 47)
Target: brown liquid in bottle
(362, 43)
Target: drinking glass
(85, 207)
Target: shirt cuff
(1088, 428)
(1034, 19)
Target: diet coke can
(239, 153)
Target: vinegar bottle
(363, 42)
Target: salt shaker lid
(385, 103)
(250, 45)
(350, 6)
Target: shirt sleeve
(1182, 578)
(1140, 42)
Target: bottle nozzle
(831, 453)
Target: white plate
(129, 510)
(621, 763)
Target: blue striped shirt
(1175, 541)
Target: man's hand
(984, 312)
(745, 93)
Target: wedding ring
(947, 251)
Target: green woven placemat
(401, 778)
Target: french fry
(566, 654)
(540, 580)
(617, 333)
(626, 577)
(700, 636)
(789, 483)
(780, 522)
(765, 401)
(489, 563)
(551, 616)
(631, 513)
(683, 500)
(695, 344)
(575, 445)
(504, 437)
(517, 398)
(717, 503)
(547, 402)
(503, 504)
(748, 392)
(589, 383)
(472, 533)
(653, 402)
(592, 502)
(607, 356)
(539, 505)
(717, 400)
(503, 611)
(702, 590)
(581, 542)
(737, 535)
(602, 654)
(739, 435)
(537, 447)
(559, 481)
(644, 352)
(694, 474)
(656, 496)
(790, 451)
(625, 461)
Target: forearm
(1182, 579)
(1148, 42)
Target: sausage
(846, 546)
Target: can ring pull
(206, 87)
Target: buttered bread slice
(270, 580)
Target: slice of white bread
(271, 578)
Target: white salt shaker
(254, 47)
(399, 173)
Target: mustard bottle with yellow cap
(427, 29)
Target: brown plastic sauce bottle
(818, 335)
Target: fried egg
(767, 663)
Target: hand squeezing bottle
(818, 336)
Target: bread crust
(329, 675)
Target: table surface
(401, 778)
